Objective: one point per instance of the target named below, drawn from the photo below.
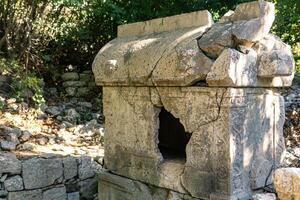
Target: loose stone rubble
(50, 153)
(195, 111)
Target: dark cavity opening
(172, 136)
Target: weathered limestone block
(251, 10)
(217, 163)
(172, 57)
(240, 28)
(29, 194)
(39, 172)
(9, 163)
(194, 19)
(119, 188)
(287, 183)
(233, 68)
(276, 63)
(271, 42)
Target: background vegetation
(40, 38)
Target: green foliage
(44, 33)
(25, 84)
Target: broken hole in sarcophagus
(172, 137)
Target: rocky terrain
(52, 152)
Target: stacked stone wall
(47, 178)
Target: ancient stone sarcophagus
(191, 107)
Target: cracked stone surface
(47, 172)
(219, 120)
(174, 51)
(216, 81)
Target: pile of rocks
(79, 84)
(46, 178)
(49, 153)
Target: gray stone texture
(73, 196)
(119, 188)
(40, 172)
(56, 193)
(70, 76)
(235, 121)
(70, 167)
(85, 169)
(88, 188)
(232, 128)
(14, 183)
(29, 194)
(9, 163)
(264, 196)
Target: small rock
(9, 163)
(83, 91)
(72, 115)
(73, 196)
(85, 169)
(12, 137)
(26, 147)
(11, 100)
(3, 193)
(42, 141)
(85, 77)
(71, 91)
(24, 195)
(8, 145)
(70, 76)
(85, 104)
(57, 193)
(54, 111)
(52, 91)
(70, 167)
(264, 196)
(25, 136)
(14, 183)
(3, 178)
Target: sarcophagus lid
(237, 51)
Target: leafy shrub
(25, 84)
